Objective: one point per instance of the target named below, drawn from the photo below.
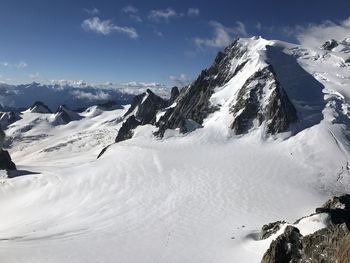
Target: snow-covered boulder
(330, 44)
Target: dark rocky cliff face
(65, 115)
(142, 111)
(40, 107)
(174, 94)
(262, 99)
(5, 161)
(193, 101)
(145, 107)
(7, 118)
(328, 245)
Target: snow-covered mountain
(259, 136)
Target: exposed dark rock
(39, 107)
(327, 245)
(322, 246)
(145, 107)
(64, 115)
(7, 118)
(330, 44)
(193, 101)
(343, 253)
(174, 94)
(270, 229)
(262, 99)
(103, 151)
(110, 105)
(286, 248)
(5, 161)
(125, 132)
(142, 111)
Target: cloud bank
(314, 35)
(106, 27)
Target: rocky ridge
(329, 244)
(39, 107)
(261, 100)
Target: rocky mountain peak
(39, 107)
(65, 115)
(261, 99)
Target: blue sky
(144, 41)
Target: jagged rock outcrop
(7, 118)
(145, 107)
(109, 105)
(6, 162)
(262, 99)
(64, 115)
(270, 229)
(174, 94)
(193, 101)
(5, 159)
(330, 44)
(125, 132)
(142, 111)
(286, 248)
(328, 245)
(39, 107)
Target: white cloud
(93, 11)
(181, 80)
(223, 35)
(20, 65)
(82, 94)
(132, 12)
(240, 29)
(35, 76)
(192, 12)
(106, 27)
(163, 15)
(258, 26)
(143, 84)
(315, 35)
(130, 9)
(73, 83)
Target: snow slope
(199, 197)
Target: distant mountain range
(74, 95)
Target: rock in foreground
(327, 245)
(5, 161)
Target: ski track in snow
(202, 197)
